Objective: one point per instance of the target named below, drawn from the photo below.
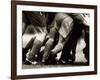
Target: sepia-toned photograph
(55, 39)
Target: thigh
(66, 27)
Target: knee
(53, 32)
(37, 42)
(50, 41)
(41, 37)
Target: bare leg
(36, 46)
(59, 46)
(49, 44)
(48, 47)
